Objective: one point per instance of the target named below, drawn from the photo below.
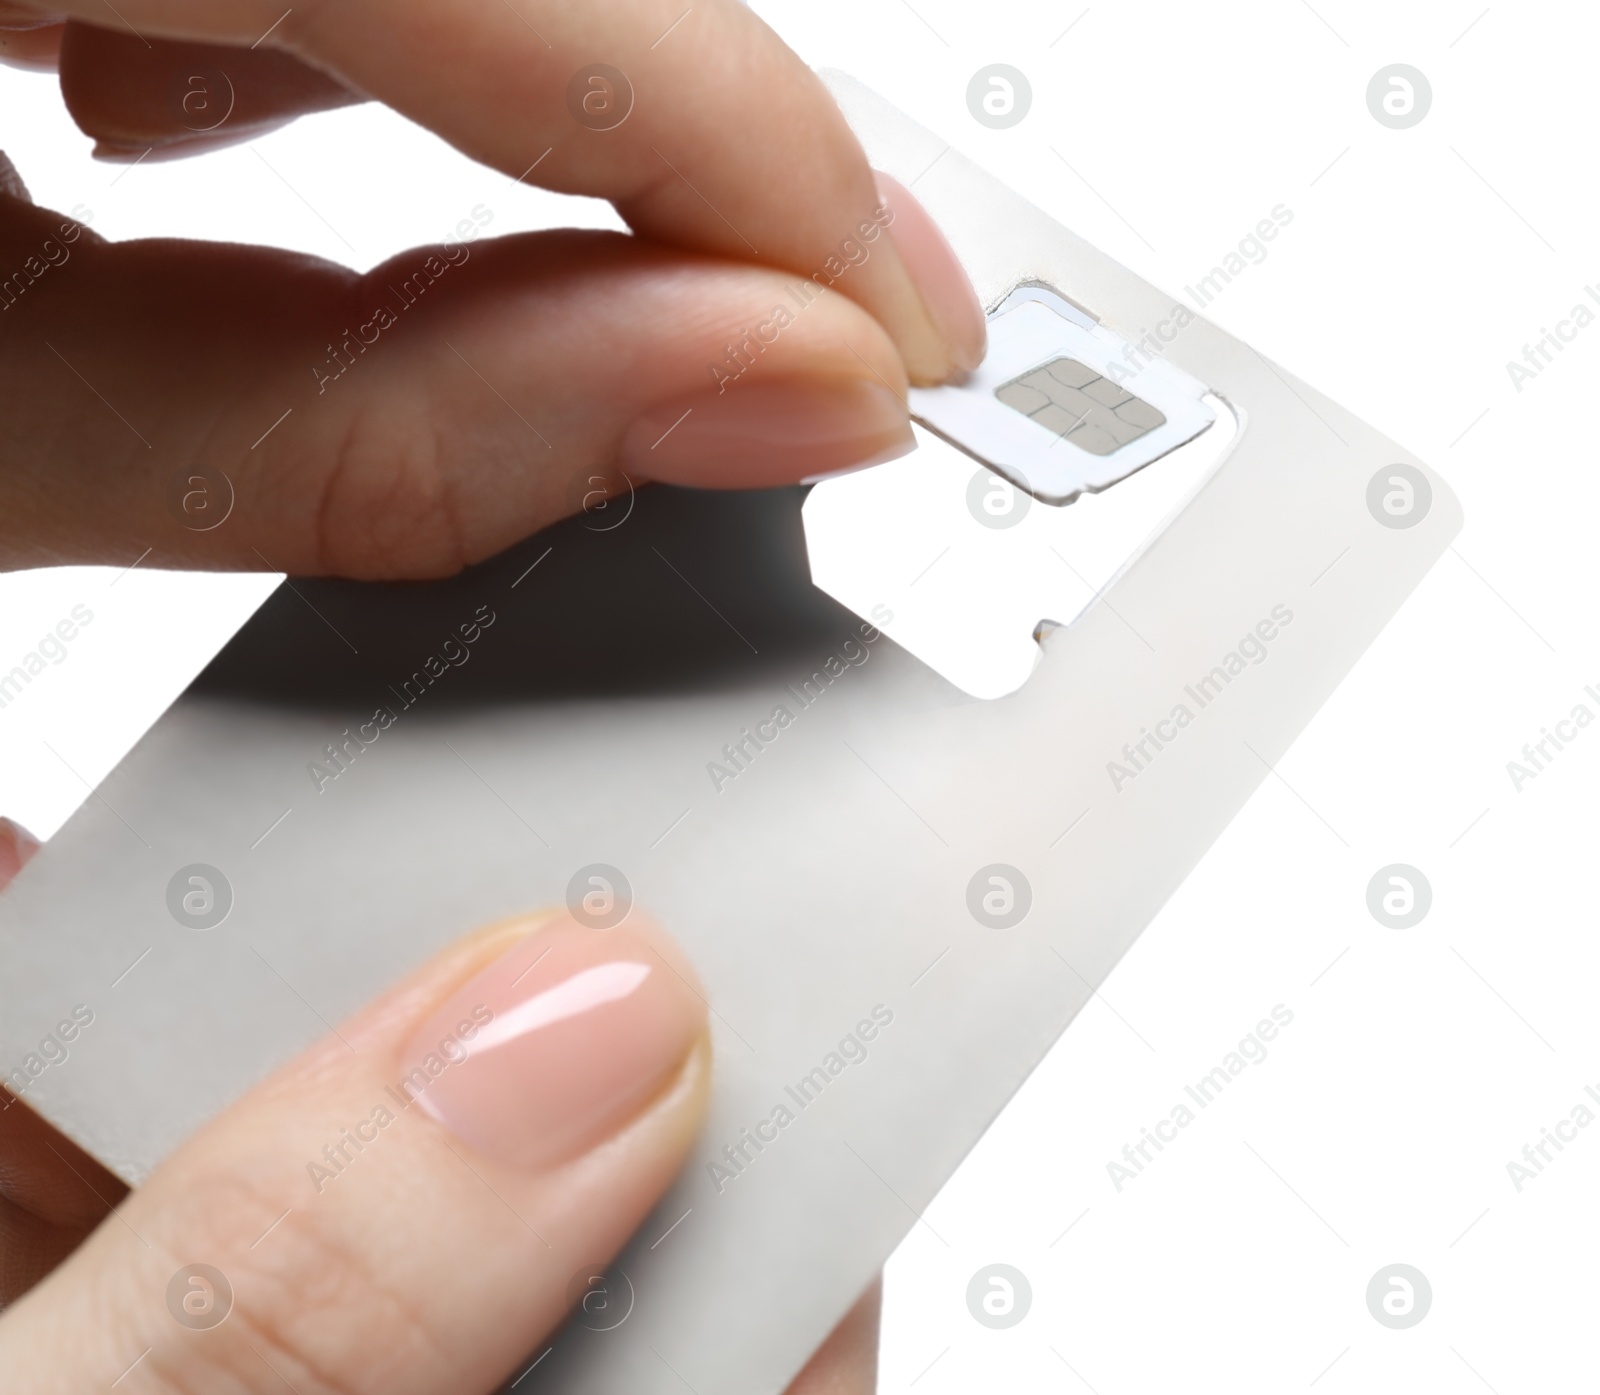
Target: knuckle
(311, 1297)
(388, 505)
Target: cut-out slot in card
(814, 880)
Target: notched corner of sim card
(1062, 405)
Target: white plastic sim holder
(814, 880)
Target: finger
(403, 1209)
(52, 1193)
(35, 47)
(702, 127)
(17, 845)
(168, 97)
(11, 185)
(847, 1363)
(410, 421)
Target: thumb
(404, 1208)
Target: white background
(1419, 1061)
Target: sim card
(700, 702)
(1061, 405)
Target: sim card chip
(1077, 403)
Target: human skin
(537, 362)
(336, 1282)
(465, 426)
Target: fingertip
(947, 294)
(847, 1363)
(11, 183)
(35, 49)
(17, 845)
(173, 97)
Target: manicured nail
(117, 153)
(180, 147)
(940, 279)
(753, 435)
(17, 845)
(558, 1043)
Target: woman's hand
(409, 1208)
(404, 423)
(433, 411)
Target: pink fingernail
(753, 435)
(946, 292)
(558, 1043)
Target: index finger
(694, 119)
